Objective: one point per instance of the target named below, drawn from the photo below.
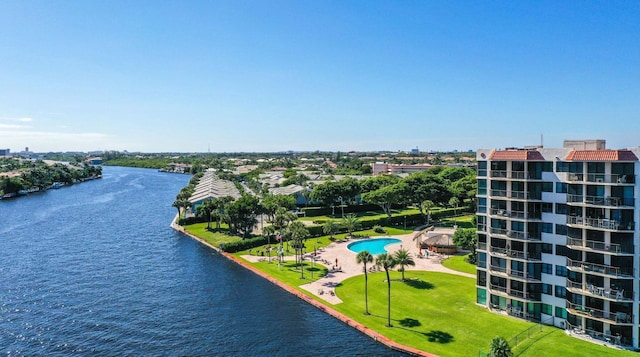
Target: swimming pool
(374, 246)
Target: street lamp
(342, 206)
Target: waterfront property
(558, 237)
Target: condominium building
(558, 239)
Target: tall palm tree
(363, 258)
(351, 222)
(269, 231)
(426, 206)
(454, 202)
(403, 258)
(298, 234)
(387, 262)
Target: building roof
(440, 240)
(509, 155)
(601, 155)
(286, 190)
(211, 186)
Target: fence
(519, 338)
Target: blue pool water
(374, 246)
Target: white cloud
(12, 126)
(25, 120)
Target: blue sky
(186, 76)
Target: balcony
(601, 201)
(599, 292)
(617, 317)
(590, 245)
(600, 223)
(516, 254)
(602, 178)
(498, 288)
(514, 234)
(498, 173)
(522, 275)
(498, 193)
(482, 227)
(482, 246)
(599, 269)
(525, 195)
(518, 175)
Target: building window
(561, 291)
(561, 270)
(561, 312)
(481, 296)
(547, 289)
(561, 229)
(482, 187)
(482, 168)
(562, 250)
(547, 309)
(547, 248)
(561, 208)
(561, 187)
(482, 205)
(547, 187)
(547, 227)
(546, 207)
(547, 268)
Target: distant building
(94, 161)
(382, 168)
(5, 152)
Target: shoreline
(322, 307)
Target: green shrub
(244, 244)
(379, 229)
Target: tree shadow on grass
(439, 336)
(409, 322)
(419, 284)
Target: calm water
(94, 269)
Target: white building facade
(558, 237)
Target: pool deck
(324, 287)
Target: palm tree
(387, 262)
(298, 234)
(180, 204)
(402, 258)
(454, 202)
(269, 231)
(351, 222)
(426, 206)
(330, 227)
(365, 257)
(500, 347)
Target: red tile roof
(516, 155)
(601, 155)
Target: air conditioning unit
(599, 180)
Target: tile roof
(601, 155)
(516, 155)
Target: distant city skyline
(233, 76)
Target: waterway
(94, 269)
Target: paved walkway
(324, 287)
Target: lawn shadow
(439, 336)
(419, 284)
(409, 322)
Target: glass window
(561, 291)
(547, 289)
(561, 208)
(561, 229)
(546, 207)
(561, 187)
(561, 312)
(547, 268)
(547, 248)
(482, 187)
(562, 166)
(481, 296)
(547, 187)
(547, 227)
(547, 309)
(561, 270)
(547, 166)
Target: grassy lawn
(437, 313)
(211, 237)
(461, 221)
(434, 312)
(457, 263)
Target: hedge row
(244, 244)
(326, 211)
